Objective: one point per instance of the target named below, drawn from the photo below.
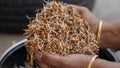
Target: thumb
(53, 60)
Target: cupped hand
(88, 16)
(70, 61)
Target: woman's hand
(110, 36)
(88, 16)
(45, 60)
(71, 61)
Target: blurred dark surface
(13, 12)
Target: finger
(53, 60)
(80, 9)
(42, 65)
(39, 61)
(49, 59)
(38, 55)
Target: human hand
(88, 16)
(70, 61)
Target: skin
(110, 38)
(72, 61)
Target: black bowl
(15, 57)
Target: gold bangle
(99, 31)
(91, 61)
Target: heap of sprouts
(60, 30)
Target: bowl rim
(15, 46)
(11, 48)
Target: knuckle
(84, 8)
(62, 63)
(70, 5)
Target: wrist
(104, 33)
(85, 60)
(110, 36)
(97, 63)
(101, 63)
(94, 27)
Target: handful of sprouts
(60, 30)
